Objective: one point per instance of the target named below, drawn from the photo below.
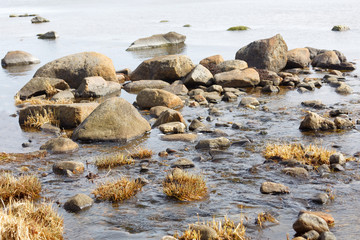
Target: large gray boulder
(137, 86)
(158, 40)
(96, 87)
(298, 58)
(270, 54)
(113, 120)
(238, 78)
(168, 68)
(200, 75)
(38, 85)
(307, 222)
(74, 68)
(149, 98)
(17, 58)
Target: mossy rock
(340, 28)
(164, 21)
(187, 25)
(238, 28)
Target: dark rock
(317, 104)
(78, 202)
(48, 35)
(39, 19)
(296, 172)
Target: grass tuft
(225, 229)
(40, 101)
(265, 217)
(142, 153)
(25, 220)
(311, 155)
(37, 119)
(117, 191)
(113, 160)
(24, 187)
(50, 89)
(184, 186)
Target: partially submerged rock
(172, 127)
(48, 35)
(273, 188)
(298, 58)
(313, 121)
(74, 68)
(167, 68)
(149, 98)
(182, 137)
(307, 222)
(78, 202)
(158, 40)
(18, 58)
(169, 115)
(340, 28)
(39, 19)
(326, 60)
(113, 120)
(270, 54)
(60, 145)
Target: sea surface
(109, 27)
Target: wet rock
(64, 95)
(172, 127)
(327, 236)
(68, 115)
(291, 81)
(137, 86)
(249, 101)
(18, 58)
(26, 144)
(74, 68)
(238, 78)
(158, 40)
(113, 120)
(157, 110)
(169, 116)
(337, 168)
(230, 97)
(212, 97)
(346, 66)
(340, 28)
(270, 89)
(273, 188)
(196, 124)
(60, 145)
(39, 19)
(236, 126)
(220, 142)
(48, 35)
(149, 98)
(311, 235)
(68, 168)
(206, 233)
(343, 88)
(343, 123)
(307, 222)
(78, 202)
(218, 133)
(168, 68)
(307, 85)
(163, 154)
(96, 87)
(177, 88)
(325, 60)
(317, 104)
(327, 217)
(313, 121)
(47, 127)
(269, 78)
(230, 65)
(270, 54)
(296, 172)
(183, 163)
(337, 158)
(37, 86)
(200, 75)
(182, 137)
(298, 58)
(321, 198)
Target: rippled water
(109, 27)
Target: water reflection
(20, 70)
(154, 52)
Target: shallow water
(109, 27)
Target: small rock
(48, 35)
(78, 202)
(321, 198)
(327, 217)
(344, 89)
(313, 121)
(296, 172)
(137, 86)
(183, 163)
(148, 98)
(343, 123)
(311, 235)
(273, 188)
(25, 145)
(200, 75)
(172, 127)
(314, 104)
(157, 110)
(39, 19)
(168, 238)
(236, 126)
(16, 58)
(183, 137)
(324, 169)
(60, 145)
(64, 95)
(307, 222)
(327, 236)
(220, 142)
(163, 154)
(340, 28)
(167, 116)
(195, 124)
(337, 167)
(337, 158)
(63, 167)
(177, 88)
(249, 101)
(206, 233)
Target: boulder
(230, 65)
(39, 19)
(200, 75)
(113, 120)
(137, 86)
(156, 111)
(78, 202)
(68, 168)
(60, 145)
(220, 142)
(238, 78)
(326, 60)
(38, 85)
(340, 28)
(96, 87)
(307, 222)
(298, 58)
(68, 115)
(18, 58)
(177, 88)
(182, 137)
(74, 68)
(148, 98)
(172, 127)
(158, 40)
(270, 54)
(313, 121)
(169, 115)
(64, 95)
(273, 188)
(168, 68)
(48, 35)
